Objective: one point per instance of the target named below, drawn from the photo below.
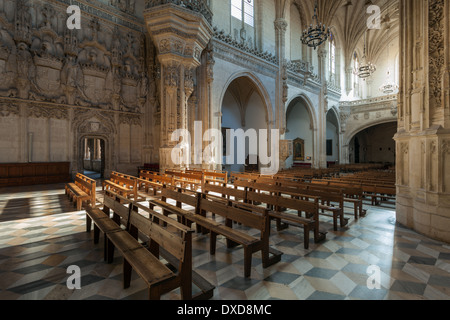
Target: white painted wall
(299, 126)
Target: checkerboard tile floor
(41, 235)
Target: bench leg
(344, 222)
(126, 274)
(110, 251)
(79, 204)
(88, 223)
(154, 293)
(306, 237)
(212, 243)
(96, 234)
(335, 218)
(247, 261)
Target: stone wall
(58, 86)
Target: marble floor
(41, 235)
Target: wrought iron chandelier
(389, 87)
(316, 34)
(365, 69)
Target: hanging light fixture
(316, 34)
(365, 69)
(389, 87)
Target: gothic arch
(309, 107)
(353, 133)
(260, 89)
(93, 124)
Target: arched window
(355, 68)
(332, 57)
(243, 10)
(355, 78)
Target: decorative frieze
(40, 111)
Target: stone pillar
(179, 35)
(321, 136)
(423, 138)
(280, 25)
(281, 85)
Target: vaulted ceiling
(348, 21)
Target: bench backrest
(247, 218)
(225, 191)
(88, 185)
(215, 176)
(173, 242)
(201, 202)
(284, 202)
(179, 197)
(177, 241)
(124, 180)
(120, 210)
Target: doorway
(94, 157)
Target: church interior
(224, 150)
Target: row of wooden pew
(215, 204)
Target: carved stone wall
(423, 170)
(59, 85)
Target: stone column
(321, 137)
(179, 35)
(281, 85)
(280, 25)
(423, 138)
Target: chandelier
(389, 87)
(365, 69)
(316, 34)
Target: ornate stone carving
(436, 51)
(7, 110)
(38, 111)
(445, 147)
(127, 6)
(132, 120)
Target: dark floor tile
(31, 287)
(240, 283)
(289, 258)
(89, 279)
(33, 268)
(440, 281)
(364, 293)
(444, 256)
(342, 239)
(406, 245)
(318, 254)
(351, 251)
(321, 273)
(408, 287)
(282, 277)
(213, 266)
(288, 244)
(320, 295)
(355, 268)
(422, 260)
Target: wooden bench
(224, 191)
(128, 233)
(278, 202)
(124, 185)
(202, 205)
(153, 180)
(383, 193)
(194, 179)
(83, 189)
(325, 199)
(353, 195)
